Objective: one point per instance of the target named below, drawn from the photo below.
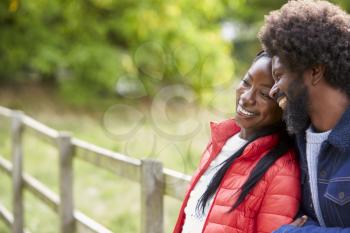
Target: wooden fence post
(152, 186)
(17, 179)
(66, 208)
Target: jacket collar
(340, 135)
(221, 132)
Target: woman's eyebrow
(249, 75)
(264, 85)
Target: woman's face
(255, 109)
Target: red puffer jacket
(274, 201)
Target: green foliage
(252, 12)
(84, 47)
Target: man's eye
(265, 95)
(276, 77)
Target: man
(309, 41)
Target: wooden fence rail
(155, 180)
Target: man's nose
(274, 91)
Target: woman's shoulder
(289, 157)
(287, 164)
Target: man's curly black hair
(304, 33)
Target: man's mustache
(278, 95)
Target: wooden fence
(155, 180)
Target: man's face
(291, 95)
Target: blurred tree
(85, 46)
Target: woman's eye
(245, 83)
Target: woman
(248, 178)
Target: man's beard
(296, 113)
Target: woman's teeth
(244, 112)
(283, 102)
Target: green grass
(107, 198)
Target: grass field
(175, 134)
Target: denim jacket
(333, 182)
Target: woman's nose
(248, 97)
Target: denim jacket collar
(340, 135)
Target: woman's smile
(245, 113)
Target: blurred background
(141, 77)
